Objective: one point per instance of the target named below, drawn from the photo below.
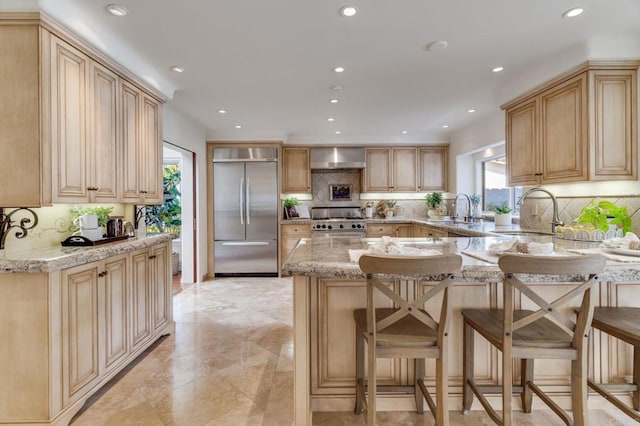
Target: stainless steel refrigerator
(245, 185)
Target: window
(495, 189)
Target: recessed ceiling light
(330, 119)
(445, 126)
(404, 132)
(338, 69)
(337, 132)
(572, 13)
(117, 10)
(336, 88)
(348, 11)
(237, 126)
(222, 111)
(176, 68)
(333, 101)
(497, 69)
(437, 45)
(471, 110)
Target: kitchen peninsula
(73, 317)
(328, 287)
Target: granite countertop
(51, 259)
(328, 257)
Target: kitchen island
(328, 287)
(71, 318)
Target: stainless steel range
(347, 221)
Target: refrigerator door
(228, 201)
(246, 257)
(261, 194)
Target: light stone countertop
(51, 259)
(328, 256)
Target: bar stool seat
(624, 324)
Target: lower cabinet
(71, 331)
(428, 231)
(377, 230)
(289, 236)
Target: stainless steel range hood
(337, 158)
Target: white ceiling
(269, 62)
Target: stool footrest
(427, 397)
(483, 401)
(603, 389)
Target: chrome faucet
(555, 221)
(469, 217)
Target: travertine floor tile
(230, 362)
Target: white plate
(623, 251)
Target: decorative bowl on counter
(587, 233)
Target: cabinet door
(69, 83)
(563, 135)
(404, 169)
(131, 99)
(151, 151)
(161, 290)
(104, 147)
(433, 168)
(381, 230)
(115, 295)
(404, 230)
(140, 296)
(290, 234)
(613, 137)
(522, 144)
(376, 173)
(80, 335)
(297, 170)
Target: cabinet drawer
(300, 231)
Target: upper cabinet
(63, 112)
(406, 169)
(296, 175)
(579, 127)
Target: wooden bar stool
(546, 333)
(623, 324)
(406, 330)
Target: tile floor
(230, 363)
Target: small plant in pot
(475, 203)
(390, 204)
(502, 215)
(289, 207)
(433, 202)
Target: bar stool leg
(467, 368)
(526, 376)
(419, 368)
(636, 377)
(579, 389)
(359, 371)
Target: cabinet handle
(153, 256)
(103, 273)
(538, 174)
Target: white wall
(186, 133)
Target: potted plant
(390, 204)
(290, 207)
(605, 214)
(433, 202)
(502, 215)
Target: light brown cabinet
(72, 330)
(427, 231)
(581, 126)
(289, 236)
(377, 230)
(142, 146)
(406, 169)
(62, 121)
(296, 170)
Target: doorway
(184, 247)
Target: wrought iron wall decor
(23, 225)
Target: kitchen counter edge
(52, 259)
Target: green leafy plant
(100, 211)
(503, 209)
(166, 217)
(390, 203)
(434, 199)
(604, 213)
(290, 202)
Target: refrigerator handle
(248, 201)
(241, 201)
